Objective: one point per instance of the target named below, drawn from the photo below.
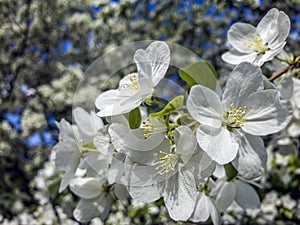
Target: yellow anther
(134, 84)
(258, 45)
(236, 117)
(153, 126)
(166, 157)
(166, 163)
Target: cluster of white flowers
(199, 154)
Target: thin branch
(280, 73)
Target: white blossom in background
(229, 129)
(258, 44)
(152, 64)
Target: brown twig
(280, 72)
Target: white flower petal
(133, 143)
(121, 119)
(266, 113)
(67, 177)
(245, 79)
(121, 191)
(205, 106)
(65, 130)
(214, 213)
(116, 102)
(267, 27)
(218, 143)
(226, 196)
(219, 172)
(179, 195)
(86, 122)
(66, 152)
(252, 156)
(142, 182)
(201, 212)
(99, 162)
(117, 134)
(140, 174)
(246, 196)
(205, 207)
(186, 143)
(135, 140)
(268, 84)
(235, 57)
(146, 155)
(154, 61)
(285, 87)
(240, 34)
(102, 140)
(117, 169)
(283, 26)
(146, 194)
(202, 164)
(86, 210)
(86, 188)
(97, 121)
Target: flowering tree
(150, 146)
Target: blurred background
(47, 45)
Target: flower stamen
(235, 118)
(257, 45)
(153, 125)
(167, 162)
(134, 83)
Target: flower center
(152, 126)
(257, 45)
(134, 83)
(167, 162)
(235, 118)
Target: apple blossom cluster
(199, 152)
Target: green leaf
(211, 67)
(135, 118)
(172, 106)
(231, 172)
(201, 72)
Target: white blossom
(229, 129)
(205, 207)
(240, 192)
(258, 44)
(68, 151)
(95, 200)
(171, 175)
(134, 88)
